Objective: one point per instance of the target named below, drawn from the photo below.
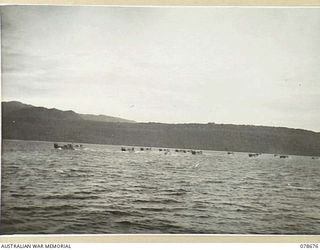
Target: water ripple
(103, 190)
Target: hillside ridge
(34, 123)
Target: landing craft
(253, 154)
(283, 156)
(194, 152)
(127, 149)
(66, 147)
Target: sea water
(100, 189)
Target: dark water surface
(100, 189)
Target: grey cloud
(224, 65)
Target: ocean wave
(70, 197)
(105, 191)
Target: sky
(230, 65)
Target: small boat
(195, 152)
(65, 147)
(283, 156)
(127, 149)
(145, 149)
(254, 154)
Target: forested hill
(14, 109)
(27, 122)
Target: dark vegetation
(26, 122)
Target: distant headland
(27, 122)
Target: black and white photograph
(200, 120)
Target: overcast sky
(225, 65)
